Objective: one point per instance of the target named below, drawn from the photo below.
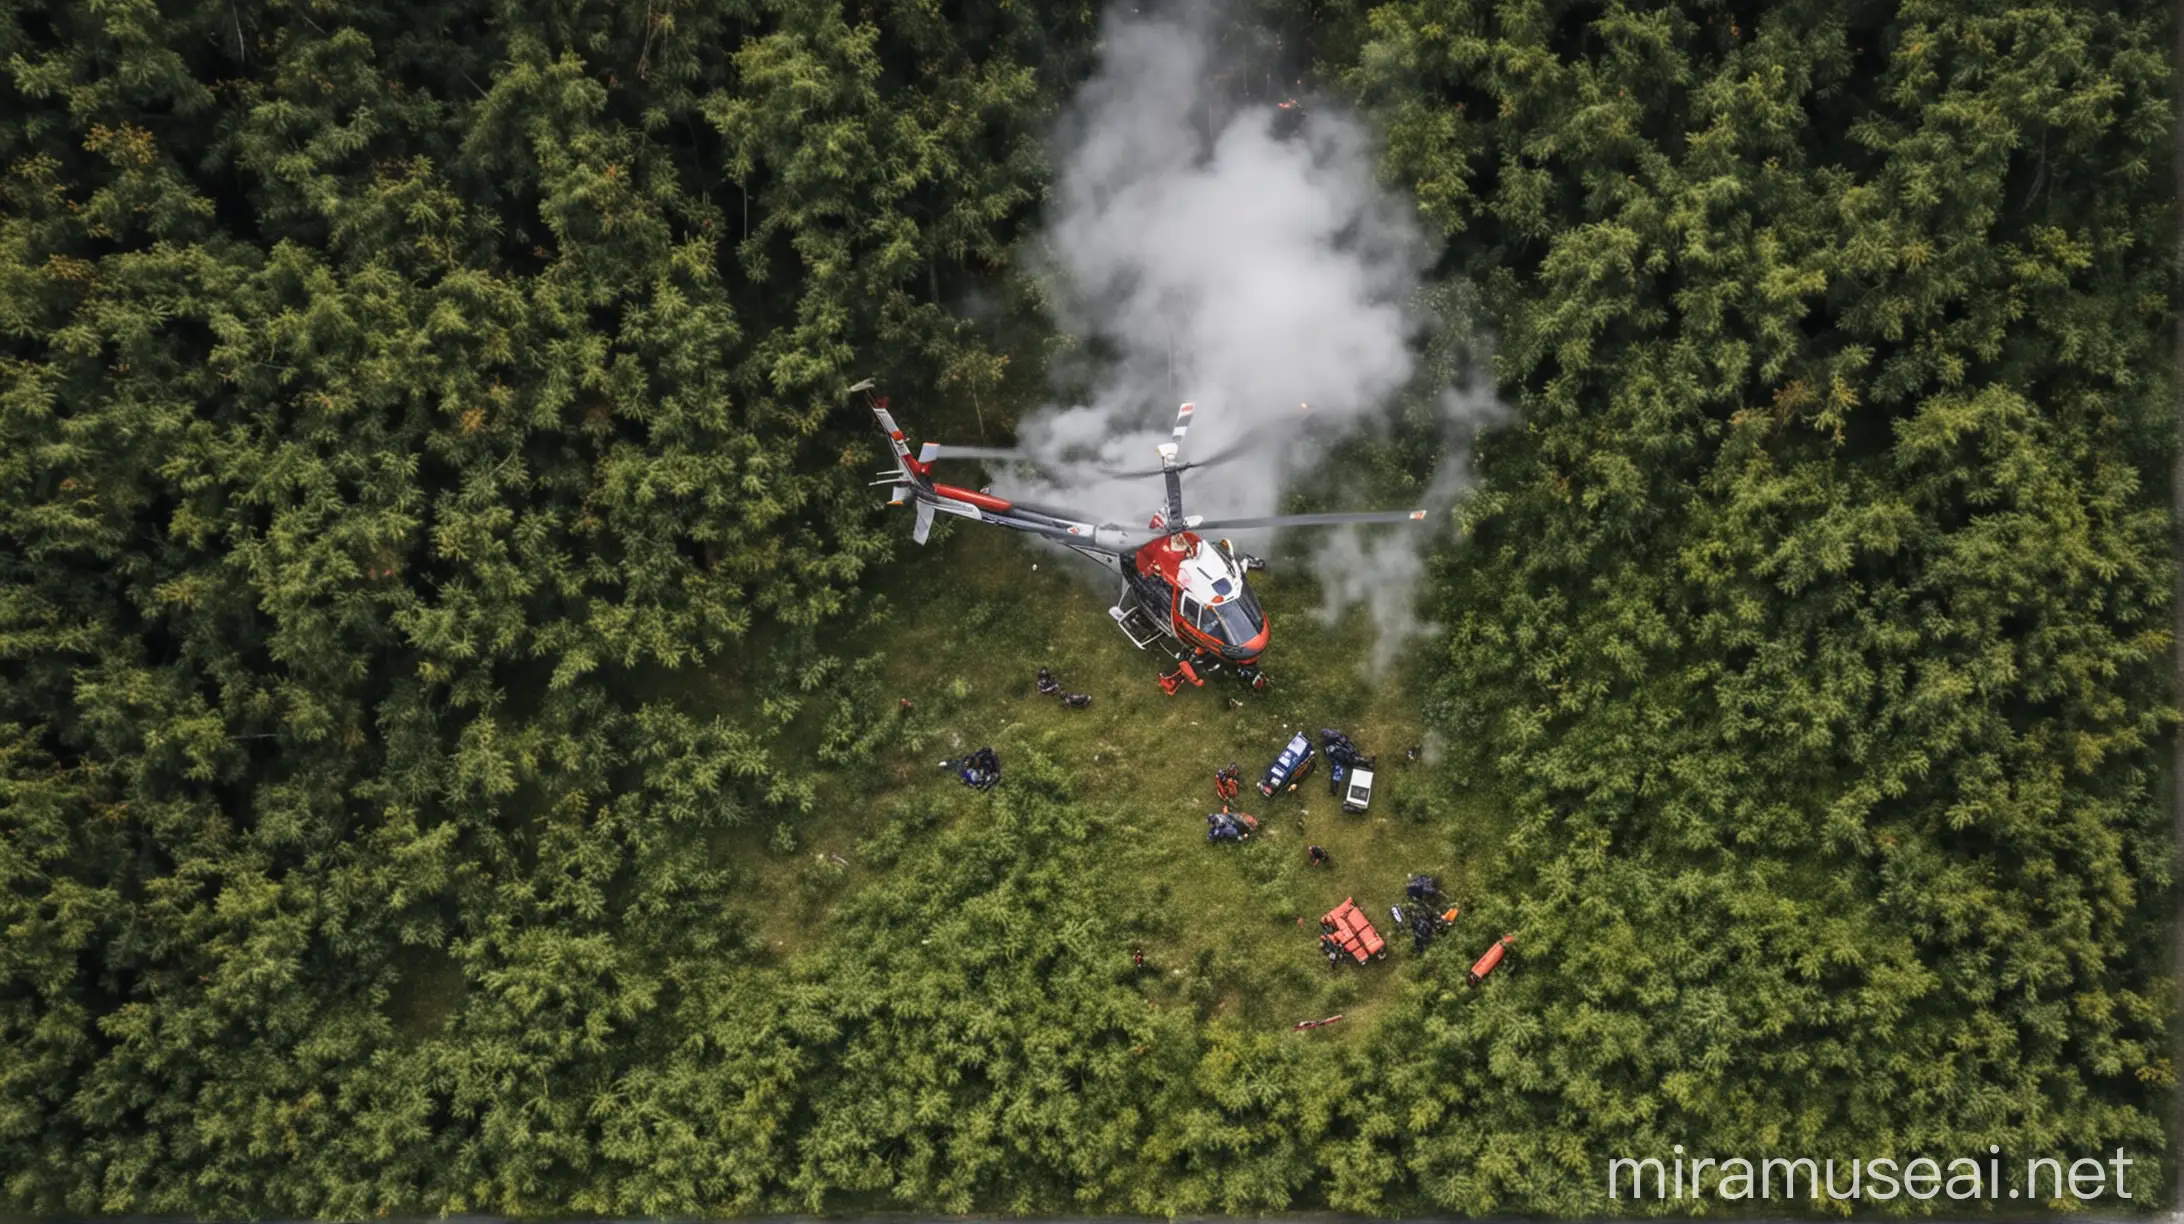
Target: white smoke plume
(1383, 572)
(1203, 256)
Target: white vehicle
(1360, 791)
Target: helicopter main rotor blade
(1312, 520)
(1234, 450)
(949, 450)
(1167, 461)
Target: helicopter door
(1188, 611)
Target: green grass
(972, 621)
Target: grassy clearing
(973, 619)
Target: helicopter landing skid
(1253, 678)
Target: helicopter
(1180, 591)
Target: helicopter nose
(1249, 651)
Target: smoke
(1200, 254)
(1383, 572)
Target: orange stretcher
(1348, 926)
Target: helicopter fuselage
(1210, 608)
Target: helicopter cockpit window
(1250, 604)
(1190, 611)
(1239, 624)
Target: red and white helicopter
(1178, 590)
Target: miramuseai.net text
(2039, 1178)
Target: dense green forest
(440, 612)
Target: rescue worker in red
(1227, 782)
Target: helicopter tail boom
(912, 484)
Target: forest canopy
(435, 541)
